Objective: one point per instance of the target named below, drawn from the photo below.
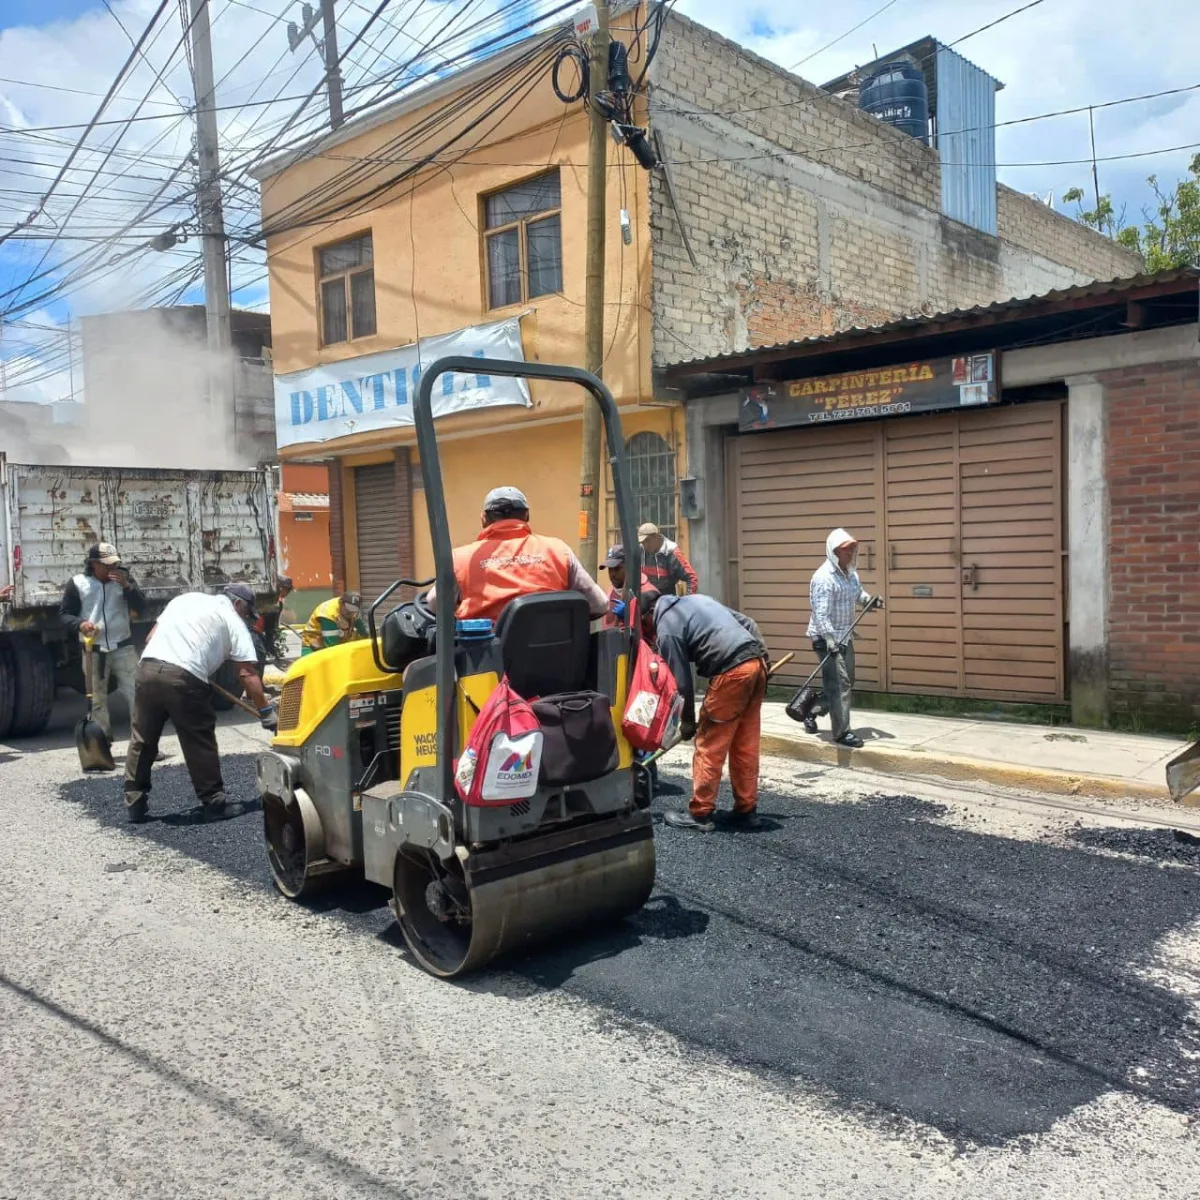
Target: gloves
(618, 608)
(269, 718)
(687, 730)
(875, 602)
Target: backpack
(503, 756)
(652, 715)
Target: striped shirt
(832, 595)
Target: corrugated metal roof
(1098, 289)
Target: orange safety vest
(506, 561)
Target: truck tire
(33, 693)
(7, 688)
(226, 677)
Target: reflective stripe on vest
(508, 561)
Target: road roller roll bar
(439, 523)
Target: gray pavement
(889, 991)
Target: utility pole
(329, 52)
(221, 399)
(589, 474)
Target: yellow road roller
(360, 775)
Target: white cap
(505, 497)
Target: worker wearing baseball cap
(193, 637)
(508, 560)
(333, 622)
(98, 605)
(615, 563)
(664, 564)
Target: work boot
(810, 724)
(745, 820)
(685, 820)
(137, 808)
(851, 741)
(213, 807)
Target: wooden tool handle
(242, 704)
(783, 662)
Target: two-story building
(452, 219)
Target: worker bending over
(508, 560)
(333, 622)
(194, 636)
(727, 649)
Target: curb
(966, 770)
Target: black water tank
(897, 93)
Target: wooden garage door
(960, 524)
(793, 489)
(1010, 464)
(377, 521)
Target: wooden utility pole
(590, 482)
(329, 52)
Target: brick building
(795, 214)
(1023, 479)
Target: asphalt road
(878, 994)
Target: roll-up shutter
(377, 520)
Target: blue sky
(1059, 54)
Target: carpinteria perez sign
(962, 382)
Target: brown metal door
(1010, 463)
(924, 626)
(795, 488)
(377, 521)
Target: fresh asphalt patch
(982, 985)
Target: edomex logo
(516, 763)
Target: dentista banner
(376, 391)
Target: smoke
(146, 378)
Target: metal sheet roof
(919, 323)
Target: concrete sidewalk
(1059, 760)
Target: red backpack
(503, 755)
(652, 715)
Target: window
(652, 476)
(523, 241)
(347, 290)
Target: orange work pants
(729, 727)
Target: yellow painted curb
(965, 770)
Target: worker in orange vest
(508, 560)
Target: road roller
(359, 779)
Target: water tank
(897, 93)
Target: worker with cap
(98, 604)
(614, 564)
(508, 560)
(726, 648)
(833, 594)
(333, 622)
(665, 564)
(193, 637)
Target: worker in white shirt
(194, 636)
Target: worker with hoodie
(833, 594)
(664, 564)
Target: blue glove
(619, 609)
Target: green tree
(1169, 235)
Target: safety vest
(508, 560)
(327, 628)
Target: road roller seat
(544, 643)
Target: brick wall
(807, 216)
(1154, 501)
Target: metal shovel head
(1183, 774)
(95, 750)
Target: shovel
(1183, 774)
(95, 750)
(242, 704)
(804, 700)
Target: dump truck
(178, 531)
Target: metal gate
(959, 521)
(377, 524)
